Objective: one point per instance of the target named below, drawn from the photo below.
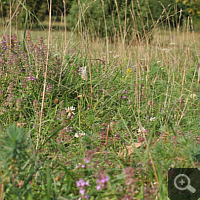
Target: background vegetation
(92, 14)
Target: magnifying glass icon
(181, 182)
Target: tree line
(133, 15)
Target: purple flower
(86, 160)
(86, 196)
(98, 187)
(87, 183)
(9, 62)
(124, 97)
(69, 129)
(88, 156)
(104, 179)
(62, 131)
(80, 183)
(124, 92)
(31, 78)
(34, 125)
(49, 86)
(82, 191)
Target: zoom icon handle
(183, 183)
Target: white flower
(77, 135)
(166, 50)
(83, 72)
(193, 96)
(142, 130)
(70, 110)
(152, 119)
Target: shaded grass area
(109, 129)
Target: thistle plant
(14, 155)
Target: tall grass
(136, 115)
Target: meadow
(87, 118)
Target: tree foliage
(193, 6)
(4, 8)
(123, 18)
(38, 8)
(58, 6)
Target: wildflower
(193, 96)
(124, 92)
(89, 156)
(31, 78)
(124, 97)
(62, 131)
(34, 125)
(98, 187)
(142, 130)
(87, 183)
(70, 112)
(49, 87)
(81, 184)
(166, 50)
(102, 180)
(86, 160)
(129, 70)
(129, 176)
(77, 135)
(86, 196)
(69, 129)
(82, 191)
(152, 119)
(83, 72)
